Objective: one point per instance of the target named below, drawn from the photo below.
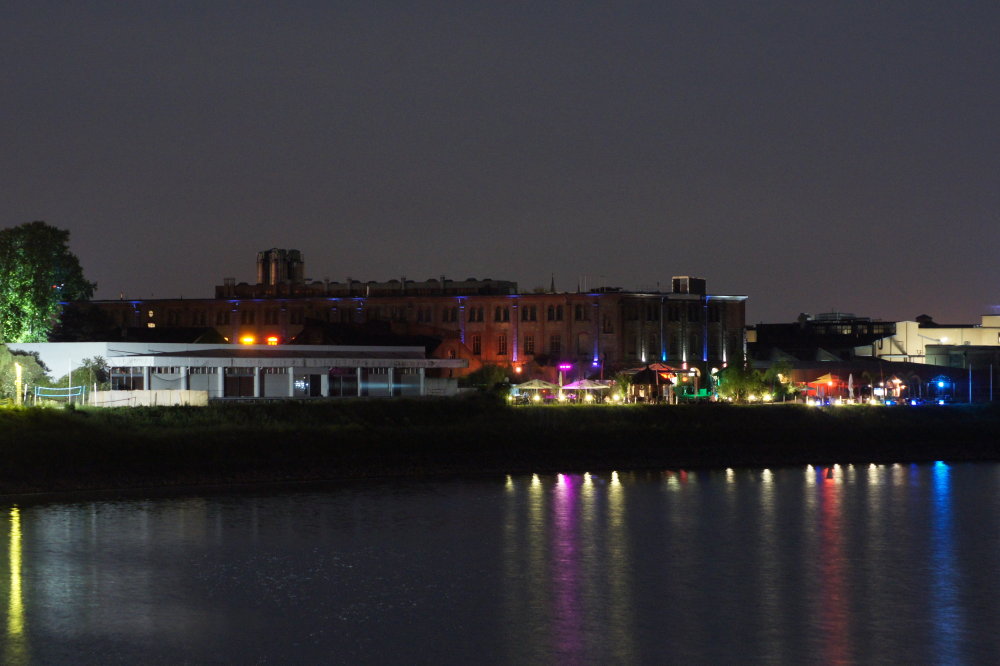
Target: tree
(33, 373)
(623, 382)
(37, 272)
(739, 381)
(85, 322)
(489, 377)
(92, 372)
(778, 378)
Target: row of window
(474, 314)
(693, 311)
(223, 317)
(583, 345)
(555, 345)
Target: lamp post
(563, 367)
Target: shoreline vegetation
(146, 448)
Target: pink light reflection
(566, 572)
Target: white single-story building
(257, 371)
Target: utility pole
(970, 383)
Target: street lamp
(563, 367)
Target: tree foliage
(85, 322)
(33, 372)
(91, 373)
(739, 381)
(489, 377)
(778, 379)
(37, 272)
(623, 382)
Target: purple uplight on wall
(565, 366)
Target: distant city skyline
(822, 157)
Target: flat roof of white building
(58, 356)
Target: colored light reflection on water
(566, 573)
(825, 564)
(947, 613)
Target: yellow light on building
(248, 340)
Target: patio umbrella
(586, 385)
(536, 385)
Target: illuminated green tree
(33, 373)
(739, 381)
(37, 271)
(623, 382)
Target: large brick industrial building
(486, 321)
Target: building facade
(486, 321)
(912, 341)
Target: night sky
(814, 156)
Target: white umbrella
(536, 385)
(586, 385)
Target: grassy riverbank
(52, 450)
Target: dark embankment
(47, 450)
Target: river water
(847, 564)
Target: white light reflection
(619, 558)
(874, 478)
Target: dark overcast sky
(811, 155)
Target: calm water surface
(798, 565)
